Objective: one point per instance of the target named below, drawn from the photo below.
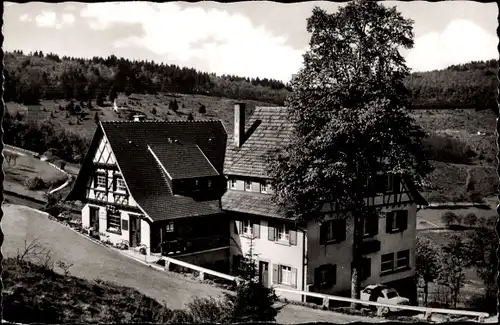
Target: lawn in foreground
(92, 261)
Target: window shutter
(388, 222)
(333, 275)
(294, 277)
(275, 274)
(293, 237)
(342, 230)
(124, 224)
(317, 277)
(396, 183)
(403, 220)
(323, 228)
(114, 183)
(237, 227)
(270, 232)
(256, 230)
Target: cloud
(25, 18)
(49, 19)
(460, 42)
(226, 43)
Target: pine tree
(190, 117)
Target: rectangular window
(209, 183)
(332, 231)
(169, 227)
(114, 223)
(283, 232)
(120, 185)
(264, 187)
(390, 183)
(387, 263)
(125, 224)
(285, 275)
(101, 181)
(370, 226)
(248, 186)
(233, 184)
(325, 276)
(403, 259)
(397, 221)
(247, 227)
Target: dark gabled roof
(184, 160)
(251, 203)
(265, 129)
(144, 175)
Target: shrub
(153, 111)
(202, 109)
(448, 218)
(190, 117)
(482, 304)
(210, 310)
(35, 183)
(470, 219)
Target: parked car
(383, 294)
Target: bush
(202, 109)
(253, 302)
(153, 111)
(35, 183)
(470, 219)
(210, 310)
(190, 117)
(482, 304)
(448, 218)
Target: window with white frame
(120, 185)
(114, 223)
(387, 263)
(101, 181)
(233, 184)
(264, 187)
(403, 259)
(283, 232)
(285, 275)
(247, 227)
(169, 227)
(248, 186)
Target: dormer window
(248, 186)
(264, 187)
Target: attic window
(209, 183)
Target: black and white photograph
(252, 161)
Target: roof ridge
(161, 122)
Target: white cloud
(462, 41)
(228, 43)
(25, 18)
(46, 19)
(49, 19)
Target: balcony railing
(191, 245)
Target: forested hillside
(32, 77)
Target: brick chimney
(239, 124)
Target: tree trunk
(355, 269)
(426, 293)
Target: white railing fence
(326, 298)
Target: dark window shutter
(333, 275)
(293, 237)
(114, 183)
(402, 220)
(270, 231)
(396, 184)
(317, 277)
(388, 221)
(256, 230)
(342, 229)
(124, 224)
(275, 274)
(323, 229)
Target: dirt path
(92, 261)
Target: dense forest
(38, 75)
(31, 77)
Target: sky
(251, 39)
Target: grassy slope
(447, 180)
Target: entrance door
(94, 218)
(135, 231)
(264, 273)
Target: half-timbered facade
(158, 185)
(317, 256)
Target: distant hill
(36, 76)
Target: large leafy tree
(349, 108)
(426, 264)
